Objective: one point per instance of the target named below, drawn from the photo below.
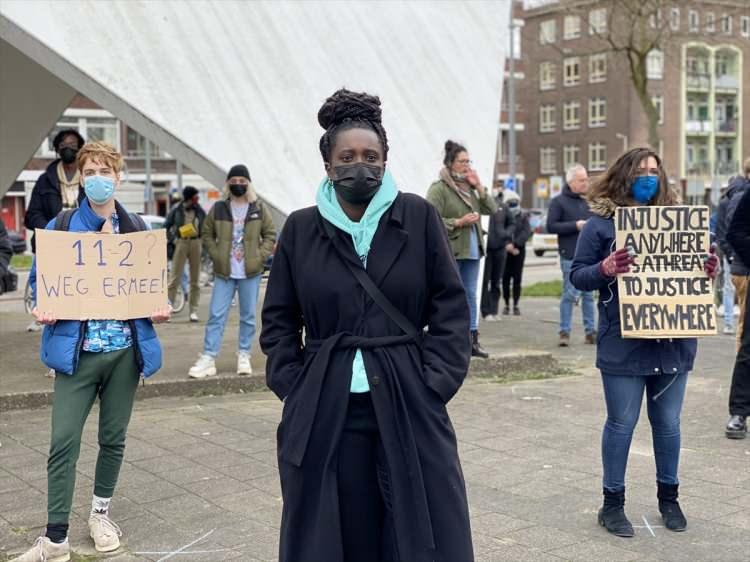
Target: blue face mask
(645, 188)
(99, 189)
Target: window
(745, 26)
(572, 72)
(597, 112)
(598, 68)
(547, 79)
(517, 25)
(658, 102)
(571, 115)
(571, 155)
(694, 21)
(548, 32)
(597, 156)
(710, 22)
(135, 146)
(571, 27)
(674, 19)
(655, 65)
(93, 124)
(547, 118)
(547, 160)
(655, 19)
(726, 24)
(598, 21)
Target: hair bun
(345, 105)
(450, 145)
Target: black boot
(476, 349)
(674, 519)
(612, 514)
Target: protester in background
(738, 238)
(186, 221)
(724, 285)
(498, 246)
(58, 188)
(96, 358)
(367, 455)
(460, 198)
(516, 250)
(628, 366)
(239, 235)
(567, 214)
(6, 253)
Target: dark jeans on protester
(739, 393)
(623, 395)
(364, 487)
(513, 272)
(494, 266)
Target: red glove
(711, 263)
(616, 263)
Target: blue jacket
(62, 341)
(616, 355)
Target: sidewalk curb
(498, 365)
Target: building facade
(581, 105)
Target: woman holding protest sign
(93, 358)
(630, 366)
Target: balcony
(698, 168)
(726, 167)
(698, 81)
(698, 127)
(727, 82)
(726, 128)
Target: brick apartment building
(580, 105)
(95, 123)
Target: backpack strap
(138, 221)
(63, 218)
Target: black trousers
(364, 487)
(739, 393)
(513, 272)
(494, 265)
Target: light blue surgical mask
(645, 188)
(99, 189)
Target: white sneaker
(105, 532)
(34, 327)
(194, 317)
(204, 367)
(728, 331)
(44, 550)
(243, 363)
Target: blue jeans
(221, 301)
(469, 271)
(623, 395)
(728, 297)
(570, 296)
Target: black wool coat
(311, 291)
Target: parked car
(542, 241)
(17, 241)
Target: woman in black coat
(367, 454)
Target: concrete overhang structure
(217, 83)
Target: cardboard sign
(98, 276)
(666, 294)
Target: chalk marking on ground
(180, 550)
(650, 530)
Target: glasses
(464, 161)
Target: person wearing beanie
(184, 226)
(239, 235)
(366, 330)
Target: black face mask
(68, 155)
(237, 189)
(357, 183)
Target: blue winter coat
(616, 355)
(62, 341)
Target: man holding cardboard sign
(98, 284)
(650, 261)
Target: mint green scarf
(362, 233)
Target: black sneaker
(516, 311)
(506, 310)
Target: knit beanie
(238, 170)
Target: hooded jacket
(564, 211)
(737, 187)
(616, 355)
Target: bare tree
(634, 29)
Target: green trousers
(113, 377)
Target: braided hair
(346, 110)
(452, 150)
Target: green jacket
(451, 207)
(260, 237)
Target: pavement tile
(595, 550)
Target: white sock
(100, 505)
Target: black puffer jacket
(46, 201)
(737, 187)
(564, 211)
(501, 227)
